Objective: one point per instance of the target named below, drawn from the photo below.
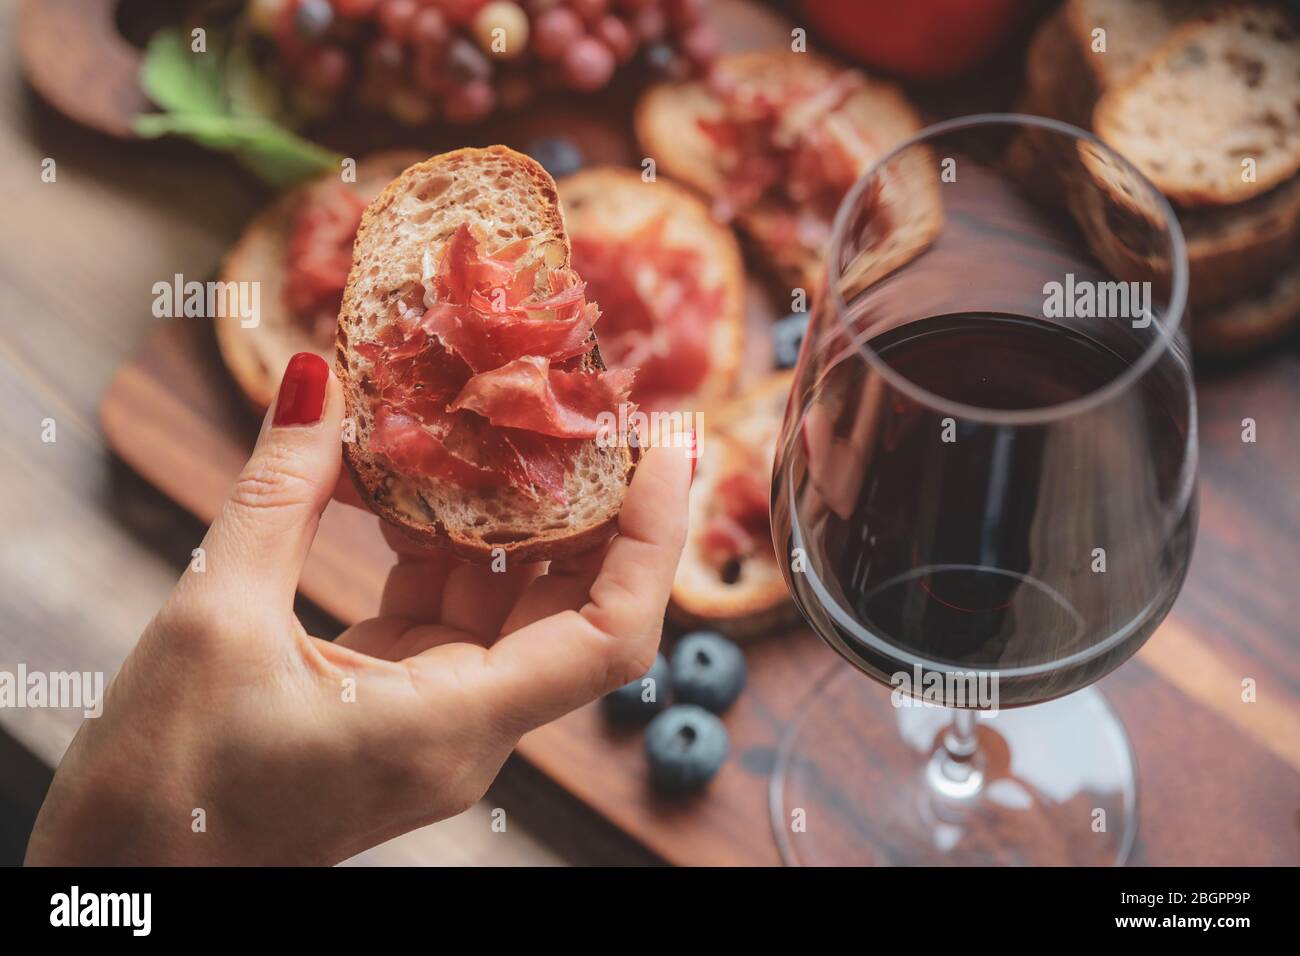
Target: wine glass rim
(1168, 330)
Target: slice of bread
(1231, 249)
(613, 204)
(1219, 93)
(667, 126)
(1132, 29)
(507, 196)
(1266, 315)
(750, 597)
(257, 356)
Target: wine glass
(984, 497)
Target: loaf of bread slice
(1234, 251)
(1131, 29)
(1263, 316)
(613, 204)
(507, 196)
(257, 356)
(667, 126)
(1220, 92)
(747, 597)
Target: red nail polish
(302, 391)
(694, 454)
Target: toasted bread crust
(253, 356)
(532, 188)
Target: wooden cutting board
(1220, 779)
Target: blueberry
(787, 336)
(638, 701)
(559, 156)
(708, 670)
(686, 746)
(313, 18)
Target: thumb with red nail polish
(267, 524)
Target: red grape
(555, 31)
(702, 44)
(385, 55)
(685, 13)
(396, 17)
(470, 102)
(460, 11)
(590, 10)
(326, 69)
(355, 9)
(588, 64)
(650, 24)
(429, 29)
(615, 33)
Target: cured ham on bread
(728, 578)
(299, 249)
(466, 351)
(669, 280)
(775, 139)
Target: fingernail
(302, 392)
(694, 455)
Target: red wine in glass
(984, 499)
(932, 563)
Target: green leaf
(179, 80)
(220, 101)
(273, 153)
(282, 158)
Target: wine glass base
(860, 782)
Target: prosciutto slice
(464, 377)
(527, 393)
(793, 142)
(659, 314)
(739, 525)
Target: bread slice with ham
(775, 139)
(669, 279)
(470, 368)
(297, 248)
(728, 578)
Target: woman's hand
(232, 736)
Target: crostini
(470, 368)
(775, 139)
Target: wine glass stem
(956, 767)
